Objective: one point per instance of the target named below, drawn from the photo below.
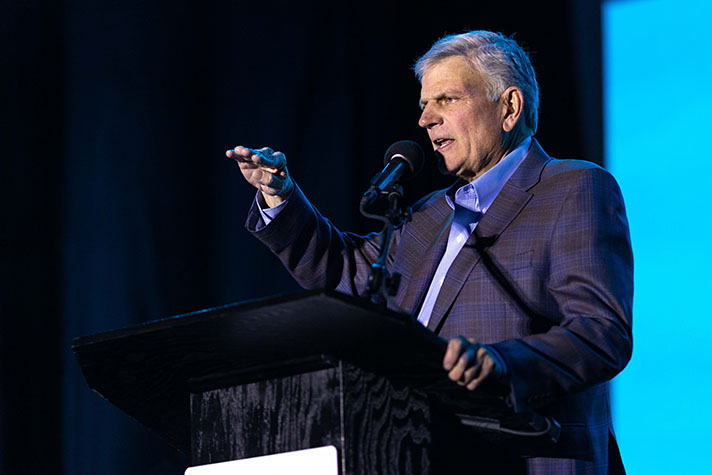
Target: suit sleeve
(317, 254)
(591, 281)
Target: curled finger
(268, 158)
(464, 361)
(270, 180)
(486, 368)
(471, 373)
(274, 184)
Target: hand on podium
(469, 364)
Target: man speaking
(524, 263)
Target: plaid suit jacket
(559, 233)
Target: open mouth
(440, 144)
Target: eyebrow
(439, 96)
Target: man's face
(464, 126)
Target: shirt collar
(479, 194)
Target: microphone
(402, 159)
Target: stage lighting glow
(657, 75)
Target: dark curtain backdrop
(119, 206)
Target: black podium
(302, 371)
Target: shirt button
(459, 238)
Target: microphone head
(408, 151)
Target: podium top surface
(149, 370)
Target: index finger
(263, 157)
(240, 153)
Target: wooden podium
(302, 371)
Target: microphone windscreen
(409, 151)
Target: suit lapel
(433, 232)
(509, 203)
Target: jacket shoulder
(575, 173)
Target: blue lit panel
(658, 103)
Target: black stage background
(119, 206)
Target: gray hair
(500, 60)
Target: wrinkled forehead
(452, 72)
(459, 64)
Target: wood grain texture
(378, 428)
(266, 417)
(387, 427)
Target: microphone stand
(380, 283)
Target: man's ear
(513, 107)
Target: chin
(442, 165)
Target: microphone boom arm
(380, 283)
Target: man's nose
(429, 118)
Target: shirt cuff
(267, 213)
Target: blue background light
(657, 77)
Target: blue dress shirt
(470, 204)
